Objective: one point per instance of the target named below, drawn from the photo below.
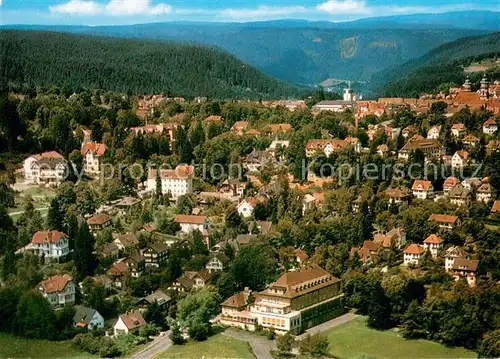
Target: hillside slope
(441, 65)
(140, 66)
(300, 51)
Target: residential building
(433, 133)
(246, 207)
(127, 241)
(98, 222)
(87, 318)
(490, 127)
(485, 193)
(93, 156)
(59, 290)
(262, 227)
(166, 129)
(431, 148)
(458, 130)
(398, 196)
(449, 184)
(177, 182)
(413, 254)
(298, 300)
(312, 200)
(240, 127)
(383, 150)
(136, 264)
(460, 196)
(217, 262)
(257, 160)
(460, 159)
(465, 268)
(333, 106)
(277, 149)
(327, 147)
(127, 205)
(236, 313)
(128, 323)
(190, 223)
(110, 250)
(45, 168)
(155, 255)
(422, 189)
(191, 281)
(159, 297)
(395, 237)
(451, 254)
(445, 221)
(433, 244)
(117, 272)
(470, 140)
(276, 128)
(51, 245)
(495, 209)
(216, 120)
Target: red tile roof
(280, 127)
(433, 239)
(421, 184)
(56, 283)
(49, 155)
(490, 122)
(450, 182)
(99, 219)
(496, 207)
(97, 149)
(186, 218)
(133, 320)
(414, 249)
(443, 218)
(48, 237)
(213, 118)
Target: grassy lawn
(356, 340)
(15, 347)
(218, 346)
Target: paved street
(153, 349)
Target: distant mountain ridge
(308, 52)
(440, 66)
(38, 58)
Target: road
(153, 349)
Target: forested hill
(441, 65)
(138, 66)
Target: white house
(458, 129)
(434, 132)
(93, 155)
(87, 318)
(434, 244)
(217, 262)
(485, 193)
(45, 168)
(128, 323)
(490, 127)
(246, 207)
(413, 254)
(460, 159)
(190, 223)
(422, 189)
(451, 254)
(59, 290)
(176, 182)
(52, 245)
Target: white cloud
(342, 7)
(1, 2)
(113, 7)
(262, 12)
(136, 7)
(77, 7)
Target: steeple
(483, 91)
(467, 85)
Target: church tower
(467, 85)
(485, 86)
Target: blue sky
(110, 12)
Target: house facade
(413, 254)
(422, 189)
(177, 182)
(98, 222)
(93, 157)
(155, 255)
(59, 290)
(45, 168)
(51, 245)
(217, 262)
(190, 223)
(87, 318)
(128, 323)
(433, 244)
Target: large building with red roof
(50, 245)
(45, 168)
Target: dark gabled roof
(221, 257)
(83, 315)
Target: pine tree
(9, 259)
(159, 189)
(83, 254)
(55, 216)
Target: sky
(118, 12)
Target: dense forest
(441, 65)
(299, 52)
(31, 58)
